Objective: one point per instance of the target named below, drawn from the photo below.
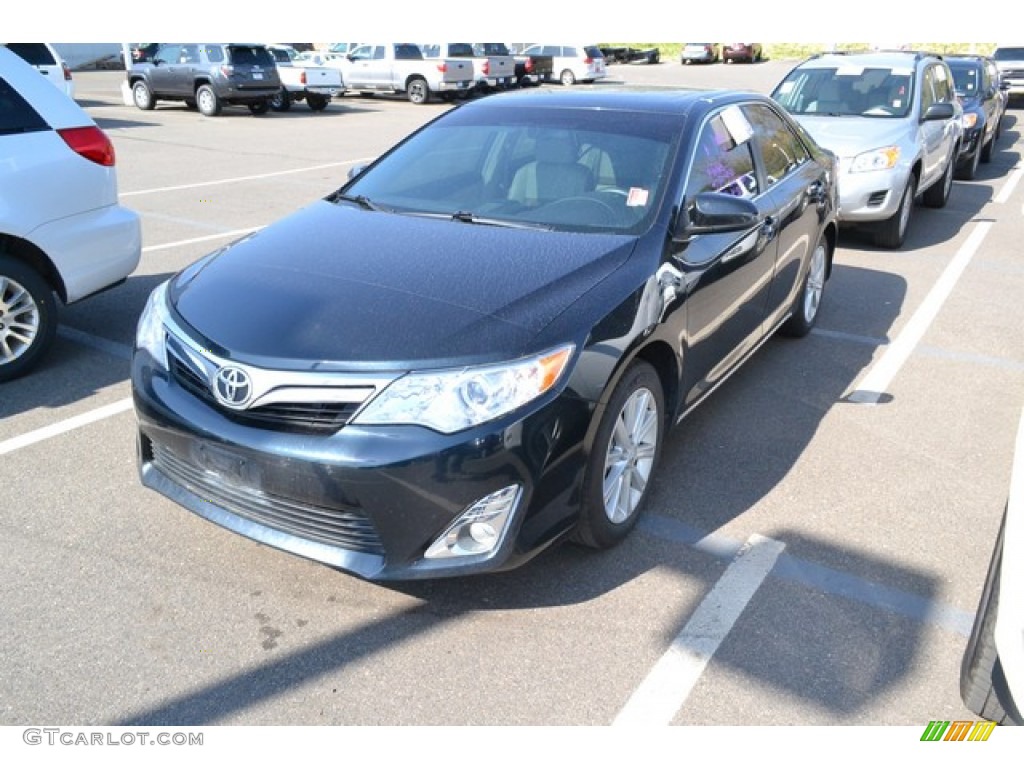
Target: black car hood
(333, 283)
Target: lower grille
(348, 529)
(877, 198)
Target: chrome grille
(345, 527)
(309, 418)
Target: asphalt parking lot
(807, 558)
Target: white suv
(47, 62)
(572, 64)
(61, 229)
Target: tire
(623, 459)
(417, 91)
(981, 673)
(893, 231)
(143, 96)
(567, 77)
(808, 301)
(986, 150)
(28, 318)
(208, 101)
(937, 194)
(260, 107)
(969, 170)
(281, 101)
(316, 102)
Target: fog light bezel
(495, 510)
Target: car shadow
(89, 355)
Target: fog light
(480, 529)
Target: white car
(992, 673)
(62, 232)
(572, 63)
(47, 62)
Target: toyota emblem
(232, 387)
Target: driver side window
(720, 164)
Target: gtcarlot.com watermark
(72, 737)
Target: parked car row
(902, 124)
(710, 53)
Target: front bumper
(870, 195)
(367, 500)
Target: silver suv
(1010, 60)
(894, 121)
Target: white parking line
(873, 386)
(255, 177)
(1009, 186)
(203, 239)
(45, 433)
(666, 688)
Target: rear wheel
(208, 102)
(316, 102)
(622, 459)
(28, 317)
(567, 77)
(281, 101)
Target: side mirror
(940, 110)
(716, 212)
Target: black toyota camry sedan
(476, 347)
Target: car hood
(849, 136)
(337, 284)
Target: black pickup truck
(532, 69)
(625, 55)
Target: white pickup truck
(304, 80)
(494, 68)
(402, 68)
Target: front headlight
(151, 331)
(452, 400)
(970, 119)
(876, 160)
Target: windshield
(567, 170)
(847, 90)
(1008, 54)
(967, 78)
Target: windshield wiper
(468, 217)
(361, 200)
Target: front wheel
(986, 150)
(893, 231)
(622, 460)
(417, 91)
(938, 193)
(143, 96)
(28, 317)
(808, 302)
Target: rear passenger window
(781, 149)
(214, 54)
(16, 115)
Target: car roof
(54, 106)
(653, 99)
(869, 59)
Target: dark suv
(977, 84)
(207, 76)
